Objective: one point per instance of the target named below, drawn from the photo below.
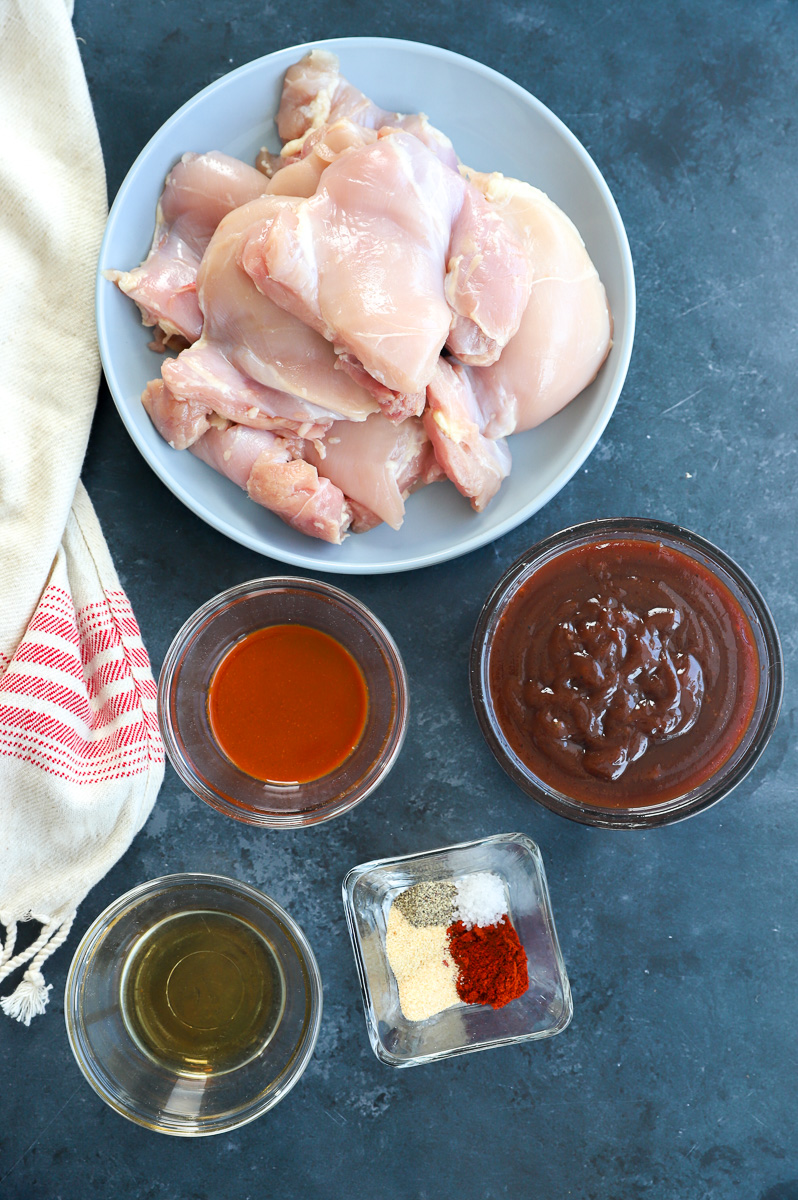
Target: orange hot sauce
(287, 704)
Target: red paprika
(492, 962)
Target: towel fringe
(32, 993)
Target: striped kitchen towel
(81, 758)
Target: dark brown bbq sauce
(623, 673)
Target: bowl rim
(353, 877)
(405, 559)
(203, 616)
(765, 634)
(93, 937)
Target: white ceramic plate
(495, 126)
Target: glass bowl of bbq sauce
(626, 673)
(193, 1004)
(283, 702)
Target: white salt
(480, 899)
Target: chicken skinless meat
(199, 191)
(565, 335)
(377, 464)
(317, 293)
(260, 338)
(301, 177)
(566, 330)
(476, 464)
(205, 377)
(270, 470)
(181, 423)
(316, 94)
(255, 364)
(392, 253)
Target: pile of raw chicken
(360, 315)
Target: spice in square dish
(451, 942)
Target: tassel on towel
(29, 1000)
(32, 993)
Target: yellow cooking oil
(202, 992)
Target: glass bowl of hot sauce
(626, 673)
(283, 702)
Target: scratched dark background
(677, 1078)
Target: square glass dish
(369, 891)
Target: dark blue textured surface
(677, 1078)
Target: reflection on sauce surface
(288, 704)
(623, 673)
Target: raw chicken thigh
(377, 464)
(475, 463)
(566, 331)
(393, 256)
(565, 335)
(253, 355)
(198, 192)
(316, 94)
(301, 176)
(270, 469)
(361, 316)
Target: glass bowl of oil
(283, 702)
(193, 1004)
